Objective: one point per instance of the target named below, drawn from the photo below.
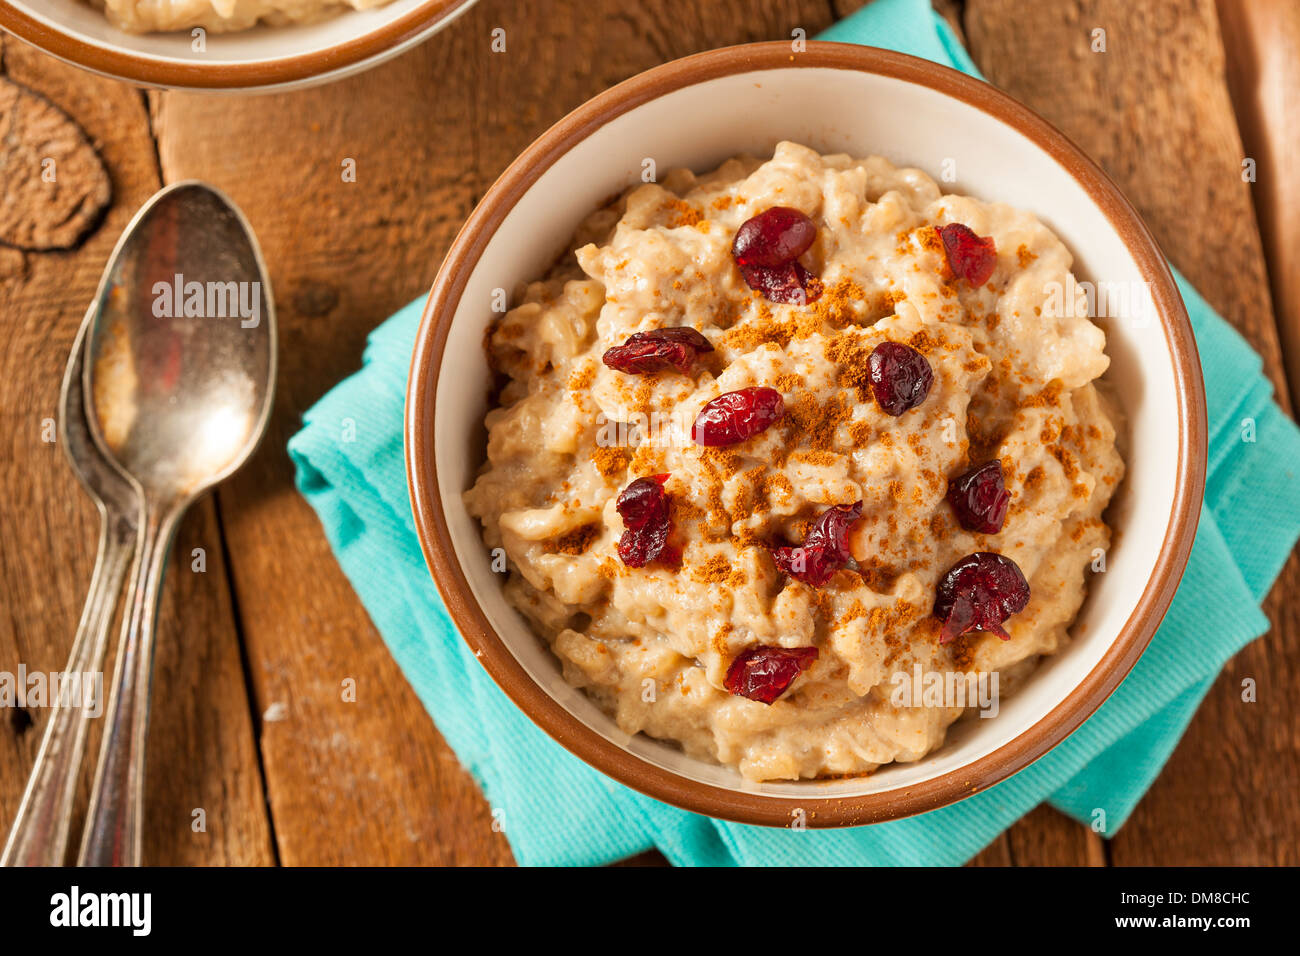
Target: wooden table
(250, 721)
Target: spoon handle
(112, 836)
(39, 836)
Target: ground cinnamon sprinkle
(836, 306)
(1072, 434)
(743, 503)
(855, 611)
(962, 649)
(582, 378)
(719, 640)
(877, 575)
(816, 421)
(713, 571)
(578, 540)
(891, 622)
(684, 511)
(776, 485)
(718, 570)
(610, 461)
(814, 457)
(717, 520)
(929, 239)
(1049, 397)
(721, 461)
(851, 352)
(1069, 464)
(648, 460)
(925, 341)
(1086, 525)
(684, 214)
(643, 397)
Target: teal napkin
(555, 809)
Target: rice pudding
(778, 442)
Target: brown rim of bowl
(149, 71)
(608, 757)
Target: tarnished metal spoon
(39, 836)
(179, 378)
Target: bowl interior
(81, 21)
(861, 113)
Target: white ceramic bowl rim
(259, 58)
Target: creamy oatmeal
(870, 449)
(154, 16)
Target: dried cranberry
(643, 506)
(980, 498)
(772, 238)
(971, 257)
(763, 673)
(651, 351)
(978, 593)
(825, 549)
(790, 284)
(736, 416)
(767, 248)
(900, 377)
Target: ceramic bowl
(260, 58)
(696, 112)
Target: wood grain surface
(202, 749)
(1262, 40)
(252, 723)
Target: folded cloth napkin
(557, 810)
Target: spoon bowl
(181, 357)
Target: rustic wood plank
(1154, 111)
(372, 782)
(201, 748)
(997, 853)
(1261, 38)
(1047, 837)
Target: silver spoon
(179, 377)
(39, 836)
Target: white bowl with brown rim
(863, 101)
(259, 58)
